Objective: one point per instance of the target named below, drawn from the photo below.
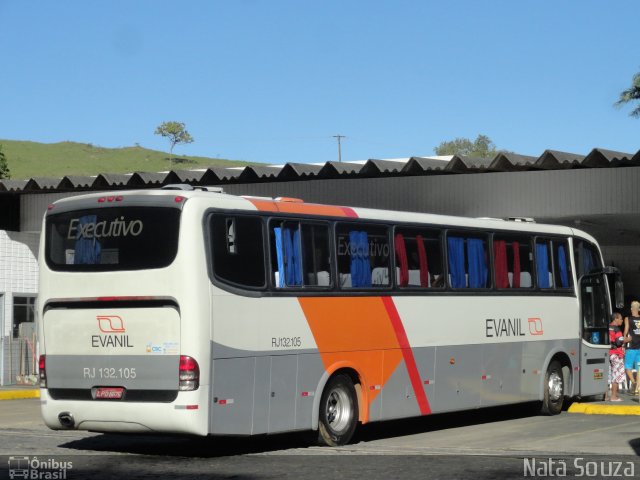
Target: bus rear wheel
(338, 416)
(553, 389)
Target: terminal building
(598, 193)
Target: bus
(186, 310)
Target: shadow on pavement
(443, 421)
(182, 446)
(209, 447)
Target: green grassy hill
(32, 159)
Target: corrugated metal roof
(373, 168)
(292, 171)
(71, 182)
(555, 160)
(111, 180)
(12, 185)
(336, 169)
(421, 165)
(42, 183)
(508, 161)
(414, 166)
(466, 164)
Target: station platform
(629, 405)
(17, 392)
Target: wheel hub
(338, 410)
(555, 386)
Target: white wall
(18, 269)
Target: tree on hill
(176, 133)
(631, 94)
(4, 165)
(482, 147)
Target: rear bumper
(188, 414)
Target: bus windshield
(108, 239)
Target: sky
(274, 81)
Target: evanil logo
(118, 227)
(111, 333)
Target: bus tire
(338, 415)
(553, 389)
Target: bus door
(594, 346)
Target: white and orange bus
(187, 310)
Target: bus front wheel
(553, 389)
(338, 411)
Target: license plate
(109, 393)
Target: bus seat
(324, 279)
(380, 276)
(414, 278)
(525, 279)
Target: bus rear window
(106, 239)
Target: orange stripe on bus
(354, 332)
(360, 333)
(302, 208)
(407, 353)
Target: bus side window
(544, 263)
(512, 261)
(240, 259)
(300, 254)
(562, 266)
(286, 253)
(363, 256)
(418, 258)
(468, 261)
(316, 255)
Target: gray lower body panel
(254, 393)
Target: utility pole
(339, 137)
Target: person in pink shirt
(616, 355)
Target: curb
(591, 409)
(19, 394)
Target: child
(616, 355)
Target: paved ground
(512, 431)
(490, 443)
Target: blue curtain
(355, 266)
(562, 261)
(456, 261)
(87, 250)
(360, 266)
(478, 271)
(542, 263)
(293, 266)
(588, 262)
(279, 254)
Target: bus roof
(214, 197)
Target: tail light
(43, 372)
(189, 374)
